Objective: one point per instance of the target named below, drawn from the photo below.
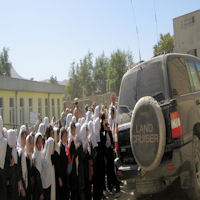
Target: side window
(178, 76)
(194, 79)
(198, 67)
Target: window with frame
(193, 76)
(1, 107)
(178, 75)
(53, 107)
(46, 107)
(21, 107)
(58, 105)
(40, 106)
(11, 102)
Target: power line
(137, 31)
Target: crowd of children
(72, 159)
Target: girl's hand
(41, 197)
(60, 182)
(23, 193)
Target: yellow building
(21, 100)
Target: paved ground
(127, 193)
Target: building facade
(21, 100)
(186, 33)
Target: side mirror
(174, 92)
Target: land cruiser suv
(159, 124)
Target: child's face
(53, 151)
(73, 131)
(57, 138)
(31, 145)
(39, 143)
(87, 132)
(23, 139)
(64, 138)
(52, 133)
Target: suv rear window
(128, 90)
(151, 81)
(178, 75)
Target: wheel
(194, 193)
(148, 133)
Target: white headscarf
(12, 142)
(41, 129)
(82, 120)
(47, 164)
(84, 139)
(3, 145)
(74, 119)
(37, 154)
(91, 136)
(5, 132)
(57, 148)
(28, 153)
(78, 133)
(96, 112)
(97, 127)
(79, 120)
(88, 116)
(68, 120)
(21, 152)
(46, 121)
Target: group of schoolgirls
(68, 162)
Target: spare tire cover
(148, 133)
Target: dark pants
(47, 193)
(74, 195)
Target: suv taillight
(176, 125)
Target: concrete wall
(186, 32)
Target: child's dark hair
(73, 125)
(48, 131)
(62, 132)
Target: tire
(148, 133)
(194, 193)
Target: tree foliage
(165, 45)
(5, 64)
(99, 76)
(53, 80)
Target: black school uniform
(87, 189)
(4, 174)
(12, 182)
(73, 178)
(36, 183)
(21, 177)
(61, 171)
(111, 176)
(81, 178)
(99, 178)
(30, 177)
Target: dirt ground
(127, 193)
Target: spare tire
(148, 133)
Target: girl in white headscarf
(74, 119)
(82, 121)
(46, 121)
(29, 162)
(37, 161)
(68, 120)
(97, 125)
(47, 169)
(4, 163)
(42, 129)
(88, 116)
(12, 183)
(23, 171)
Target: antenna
(136, 28)
(156, 21)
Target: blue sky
(46, 36)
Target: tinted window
(151, 81)
(193, 76)
(127, 95)
(178, 76)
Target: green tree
(86, 75)
(53, 79)
(165, 45)
(100, 73)
(5, 65)
(73, 87)
(120, 62)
